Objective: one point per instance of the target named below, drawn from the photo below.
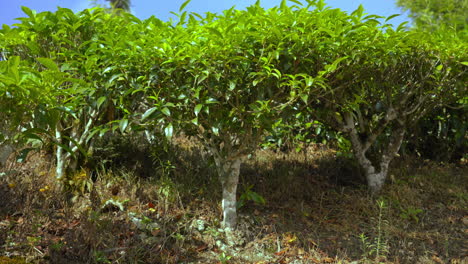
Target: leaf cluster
(227, 78)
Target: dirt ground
(316, 210)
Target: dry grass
(168, 211)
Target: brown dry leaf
(451, 219)
(202, 248)
(74, 223)
(312, 242)
(280, 253)
(155, 231)
(465, 220)
(290, 238)
(314, 260)
(5, 223)
(328, 260)
(437, 259)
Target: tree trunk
(60, 156)
(5, 148)
(376, 179)
(65, 161)
(228, 171)
(375, 176)
(5, 152)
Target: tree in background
(430, 14)
(441, 135)
(120, 4)
(115, 4)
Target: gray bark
(228, 171)
(67, 160)
(375, 175)
(5, 147)
(60, 156)
(5, 152)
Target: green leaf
(29, 12)
(334, 65)
(49, 64)
(103, 131)
(168, 131)
(148, 113)
(257, 198)
(464, 63)
(32, 136)
(123, 125)
(283, 4)
(13, 64)
(392, 16)
(211, 101)
(78, 145)
(92, 134)
(233, 25)
(23, 155)
(166, 111)
(358, 12)
(182, 18)
(215, 31)
(100, 101)
(184, 5)
(198, 109)
(296, 2)
(320, 4)
(402, 26)
(232, 86)
(215, 130)
(115, 76)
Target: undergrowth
(295, 207)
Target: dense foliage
(441, 135)
(432, 14)
(228, 79)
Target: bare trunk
(375, 181)
(5, 148)
(5, 152)
(60, 156)
(375, 176)
(64, 159)
(228, 171)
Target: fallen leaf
(155, 231)
(73, 224)
(202, 248)
(437, 259)
(314, 260)
(280, 253)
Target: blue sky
(10, 9)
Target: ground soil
(317, 210)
